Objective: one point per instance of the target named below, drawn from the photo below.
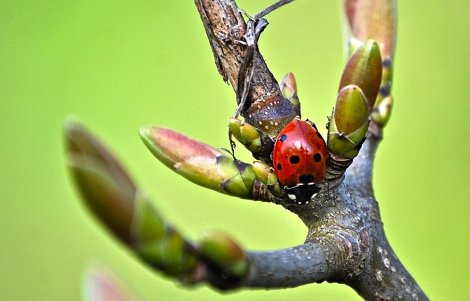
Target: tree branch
(288, 268)
(225, 29)
(383, 276)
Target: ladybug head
(302, 193)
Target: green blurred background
(121, 65)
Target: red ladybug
(299, 160)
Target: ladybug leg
(288, 87)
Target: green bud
(234, 125)
(289, 88)
(375, 20)
(251, 136)
(349, 122)
(158, 244)
(266, 175)
(172, 148)
(199, 162)
(225, 253)
(364, 69)
(147, 226)
(171, 254)
(105, 186)
(382, 111)
(192, 159)
(106, 200)
(258, 142)
(262, 170)
(114, 199)
(247, 134)
(351, 110)
(238, 177)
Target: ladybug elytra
(299, 160)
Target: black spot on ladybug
(279, 166)
(317, 157)
(319, 135)
(294, 159)
(314, 126)
(283, 137)
(308, 178)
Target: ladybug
(299, 160)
